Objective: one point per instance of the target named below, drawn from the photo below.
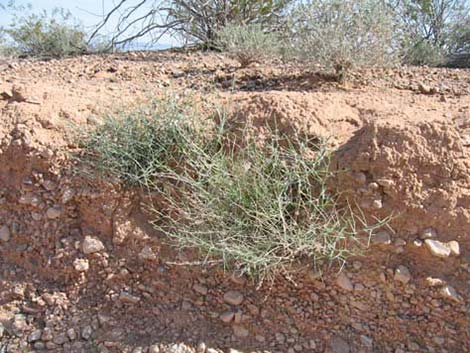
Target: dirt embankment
(82, 271)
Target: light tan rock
(92, 245)
(81, 265)
(454, 247)
(437, 248)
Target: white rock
(154, 349)
(449, 292)
(92, 245)
(4, 233)
(178, 348)
(402, 274)
(201, 348)
(437, 248)
(231, 350)
(454, 247)
(377, 204)
(81, 265)
(233, 297)
(434, 282)
(344, 282)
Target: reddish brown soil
(402, 148)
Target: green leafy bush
(460, 36)
(431, 31)
(340, 34)
(260, 208)
(45, 35)
(423, 53)
(248, 43)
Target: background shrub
(432, 31)
(340, 34)
(460, 36)
(423, 53)
(46, 35)
(193, 21)
(248, 43)
(260, 209)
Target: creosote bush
(341, 34)
(47, 35)
(424, 53)
(258, 208)
(248, 43)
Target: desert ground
(81, 269)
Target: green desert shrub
(5, 51)
(248, 43)
(340, 34)
(261, 209)
(46, 35)
(460, 36)
(423, 53)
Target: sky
(88, 12)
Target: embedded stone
(437, 248)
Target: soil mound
(419, 173)
(314, 116)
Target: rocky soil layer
(81, 270)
